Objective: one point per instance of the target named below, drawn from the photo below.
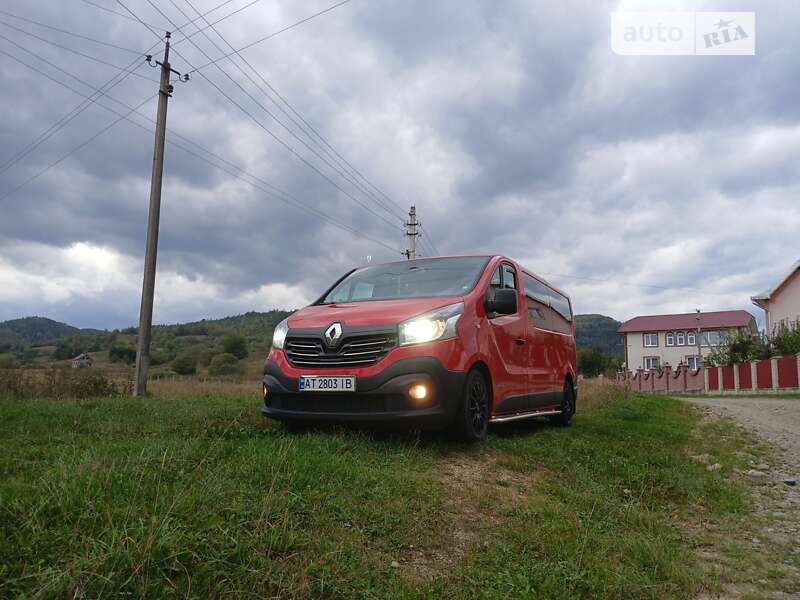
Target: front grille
(353, 351)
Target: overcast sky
(639, 184)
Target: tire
(472, 419)
(567, 406)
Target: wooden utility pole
(148, 285)
(411, 252)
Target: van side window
(509, 278)
(536, 298)
(561, 305)
(547, 308)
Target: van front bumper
(380, 398)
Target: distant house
(781, 303)
(653, 341)
(82, 361)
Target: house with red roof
(781, 303)
(654, 341)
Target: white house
(781, 303)
(653, 341)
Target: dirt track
(773, 419)
(776, 493)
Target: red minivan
(455, 342)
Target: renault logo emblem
(333, 333)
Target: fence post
(736, 377)
(754, 375)
(798, 369)
(773, 363)
(705, 376)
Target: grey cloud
(512, 126)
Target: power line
(75, 149)
(262, 185)
(335, 167)
(303, 124)
(119, 14)
(202, 16)
(304, 121)
(63, 121)
(208, 12)
(271, 35)
(245, 111)
(310, 127)
(66, 32)
(66, 48)
(427, 240)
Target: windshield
(412, 279)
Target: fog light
(418, 392)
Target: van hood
(373, 312)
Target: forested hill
(598, 331)
(20, 335)
(34, 330)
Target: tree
(591, 362)
(185, 363)
(224, 364)
(68, 348)
(236, 344)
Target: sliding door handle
(519, 341)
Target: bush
(786, 339)
(158, 357)
(68, 348)
(224, 364)
(8, 361)
(235, 344)
(122, 354)
(591, 362)
(59, 383)
(744, 346)
(185, 363)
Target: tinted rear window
(538, 291)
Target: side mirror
(504, 302)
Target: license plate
(327, 383)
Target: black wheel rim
(478, 406)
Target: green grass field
(198, 496)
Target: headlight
(279, 336)
(439, 324)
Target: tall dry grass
(60, 384)
(598, 392)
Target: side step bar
(530, 415)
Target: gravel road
(776, 493)
(774, 419)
